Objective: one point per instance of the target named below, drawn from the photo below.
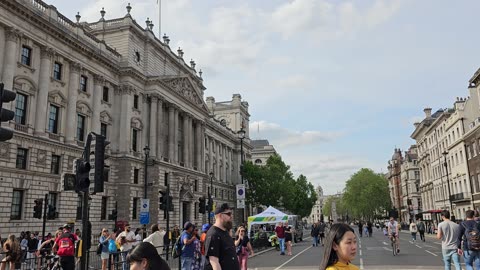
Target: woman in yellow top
(340, 248)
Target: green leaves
(274, 185)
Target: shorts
(105, 255)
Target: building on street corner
(114, 78)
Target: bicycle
(52, 262)
(393, 239)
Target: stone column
(191, 149)
(98, 82)
(152, 143)
(185, 139)
(73, 84)
(126, 103)
(145, 119)
(211, 144)
(229, 172)
(198, 146)
(218, 161)
(160, 131)
(171, 133)
(43, 88)
(176, 136)
(224, 152)
(9, 66)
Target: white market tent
(270, 216)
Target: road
(373, 253)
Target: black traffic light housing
(100, 144)
(37, 209)
(170, 203)
(210, 205)
(82, 181)
(6, 115)
(202, 205)
(163, 200)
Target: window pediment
(56, 97)
(84, 108)
(137, 123)
(25, 84)
(106, 117)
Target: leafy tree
(366, 193)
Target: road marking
(361, 263)
(387, 248)
(385, 243)
(418, 246)
(360, 252)
(432, 253)
(293, 258)
(360, 245)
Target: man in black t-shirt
(219, 246)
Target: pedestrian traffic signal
(37, 209)
(82, 180)
(201, 205)
(170, 203)
(100, 144)
(6, 115)
(163, 201)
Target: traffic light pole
(168, 215)
(45, 207)
(85, 217)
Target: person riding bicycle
(65, 246)
(392, 227)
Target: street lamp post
(146, 149)
(241, 136)
(210, 200)
(445, 153)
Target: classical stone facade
(261, 151)
(317, 210)
(115, 78)
(410, 184)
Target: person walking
(156, 238)
(126, 239)
(471, 245)
(421, 229)
(288, 238)
(65, 245)
(12, 251)
(360, 228)
(413, 230)
(219, 246)
(203, 237)
(449, 233)
(243, 247)
(197, 251)
(321, 232)
(187, 239)
(280, 233)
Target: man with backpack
(421, 229)
(470, 234)
(65, 245)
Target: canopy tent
(269, 216)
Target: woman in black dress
(288, 238)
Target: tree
(366, 193)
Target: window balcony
(461, 197)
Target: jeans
(125, 265)
(282, 245)
(414, 236)
(315, 241)
(187, 263)
(448, 256)
(471, 257)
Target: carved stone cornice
(154, 98)
(124, 89)
(75, 67)
(183, 87)
(12, 34)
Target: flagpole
(159, 2)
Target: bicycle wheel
(394, 248)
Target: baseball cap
(187, 225)
(205, 227)
(222, 208)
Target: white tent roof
(270, 215)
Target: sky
(335, 86)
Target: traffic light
(163, 201)
(100, 144)
(87, 235)
(82, 181)
(6, 115)
(210, 205)
(201, 206)
(37, 209)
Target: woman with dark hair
(12, 252)
(340, 248)
(145, 257)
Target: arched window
(258, 161)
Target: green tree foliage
(366, 193)
(274, 185)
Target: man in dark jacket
(315, 232)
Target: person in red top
(65, 245)
(280, 232)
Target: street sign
(240, 192)
(145, 211)
(240, 204)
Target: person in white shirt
(392, 228)
(156, 238)
(413, 230)
(126, 240)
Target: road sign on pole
(241, 192)
(145, 211)
(240, 204)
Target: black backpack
(177, 248)
(472, 235)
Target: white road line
(293, 258)
(385, 243)
(432, 253)
(418, 246)
(360, 252)
(387, 248)
(361, 263)
(360, 246)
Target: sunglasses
(228, 213)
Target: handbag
(99, 249)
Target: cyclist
(393, 232)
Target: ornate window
(26, 55)
(21, 109)
(57, 71)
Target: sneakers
(282, 253)
(398, 251)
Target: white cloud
(296, 82)
(283, 138)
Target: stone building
(115, 78)
(394, 180)
(410, 185)
(317, 209)
(261, 151)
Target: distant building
(261, 151)
(317, 209)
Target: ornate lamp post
(241, 136)
(445, 153)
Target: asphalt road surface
(373, 253)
